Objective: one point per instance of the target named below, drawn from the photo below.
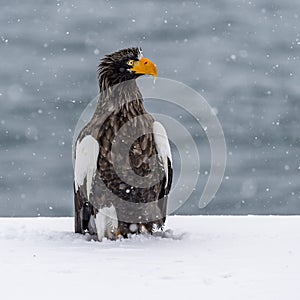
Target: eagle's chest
(126, 143)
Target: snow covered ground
(198, 258)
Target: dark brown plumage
(126, 185)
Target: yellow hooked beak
(144, 66)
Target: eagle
(122, 159)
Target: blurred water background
(242, 56)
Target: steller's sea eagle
(123, 165)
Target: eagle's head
(125, 64)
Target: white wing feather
(162, 145)
(87, 152)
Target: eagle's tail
(84, 212)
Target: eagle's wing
(164, 153)
(102, 221)
(85, 167)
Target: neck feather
(122, 95)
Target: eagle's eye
(130, 63)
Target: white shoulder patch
(162, 144)
(87, 152)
